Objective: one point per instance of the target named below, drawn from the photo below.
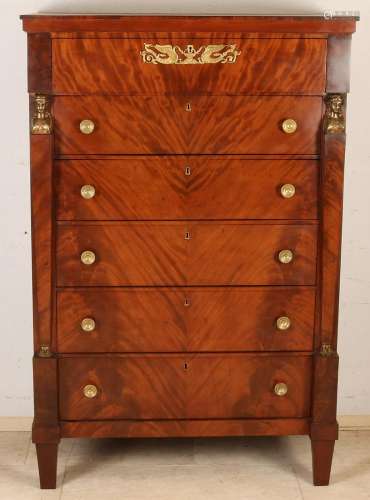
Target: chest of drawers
(186, 177)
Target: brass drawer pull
(281, 389)
(187, 171)
(283, 323)
(88, 257)
(285, 256)
(187, 303)
(87, 127)
(188, 106)
(87, 191)
(187, 235)
(88, 325)
(289, 126)
(90, 391)
(287, 191)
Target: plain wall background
(15, 243)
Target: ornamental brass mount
(334, 117)
(173, 54)
(326, 350)
(41, 122)
(44, 352)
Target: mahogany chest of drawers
(186, 211)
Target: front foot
(322, 455)
(47, 454)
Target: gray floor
(217, 469)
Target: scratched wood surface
(185, 319)
(269, 65)
(170, 188)
(162, 124)
(180, 386)
(158, 254)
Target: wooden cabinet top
(319, 24)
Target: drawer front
(179, 254)
(141, 66)
(185, 319)
(165, 125)
(186, 188)
(177, 386)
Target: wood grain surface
(185, 428)
(226, 36)
(39, 63)
(269, 65)
(338, 63)
(179, 386)
(324, 427)
(42, 237)
(185, 319)
(187, 286)
(170, 188)
(331, 219)
(45, 426)
(191, 23)
(158, 254)
(162, 125)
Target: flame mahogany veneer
(186, 153)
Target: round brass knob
(88, 257)
(289, 126)
(90, 391)
(285, 256)
(287, 190)
(283, 323)
(88, 325)
(87, 191)
(281, 389)
(87, 126)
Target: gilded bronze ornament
(173, 54)
(44, 351)
(326, 350)
(41, 122)
(334, 117)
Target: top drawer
(180, 125)
(155, 66)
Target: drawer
(178, 386)
(170, 188)
(233, 66)
(181, 254)
(185, 319)
(180, 125)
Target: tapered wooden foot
(47, 454)
(322, 455)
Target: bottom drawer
(180, 387)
